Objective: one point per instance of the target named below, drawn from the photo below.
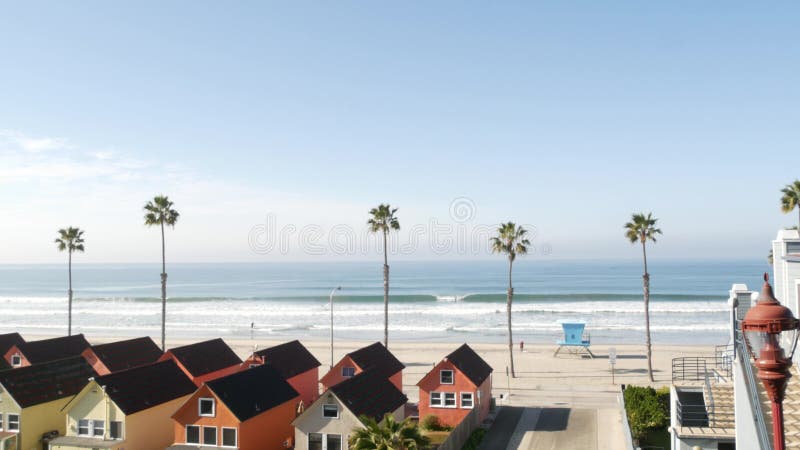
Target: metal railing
(745, 358)
(698, 415)
(710, 407)
(723, 359)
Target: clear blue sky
(567, 116)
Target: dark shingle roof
(253, 391)
(470, 364)
(128, 354)
(370, 394)
(290, 359)
(9, 340)
(46, 382)
(4, 364)
(144, 387)
(53, 349)
(377, 358)
(206, 357)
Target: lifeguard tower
(575, 341)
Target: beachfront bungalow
(122, 355)
(6, 342)
(295, 363)
(28, 353)
(205, 361)
(249, 410)
(32, 401)
(327, 423)
(459, 383)
(373, 357)
(131, 409)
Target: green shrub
(431, 422)
(474, 439)
(647, 409)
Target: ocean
(429, 300)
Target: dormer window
(330, 411)
(16, 360)
(446, 377)
(206, 407)
(348, 372)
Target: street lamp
(764, 327)
(333, 292)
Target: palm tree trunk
(385, 293)
(69, 301)
(510, 299)
(646, 287)
(798, 219)
(163, 291)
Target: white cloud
(33, 144)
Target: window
(115, 430)
(330, 411)
(229, 437)
(792, 248)
(334, 441)
(449, 399)
(314, 441)
(13, 422)
(1, 421)
(206, 407)
(83, 427)
(192, 434)
(98, 428)
(446, 377)
(16, 360)
(443, 399)
(466, 400)
(348, 372)
(209, 435)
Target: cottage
(122, 355)
(462, 381)
(373, 357)
(327, 423)
(131, 409)
(32, 400)
(6, 342)
(25, 354)
(249, 410)
(295, 363)
(205, 361)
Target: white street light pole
(333, 292)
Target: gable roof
(289, 359)
(470, 364)
(205, 357)
(9, 340)
(4, 364)
(144, 387)
(253, 391)
(127, 354)
(376, 358)
(369, 393)
(46, 382)
(53, 349)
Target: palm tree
(791, 199)
(389, 434)
(159, 212)
(382, 221)
(512, 241)
(642, 228)
(70, 240)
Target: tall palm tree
(642, 228)
(389, 434)
(511, 240)
(70, 240)
(159, 212)
(791, 199)
(383, 220)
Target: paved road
(503, 428)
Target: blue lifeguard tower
(575, 340)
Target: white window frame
(102, 430)
(348, 367)
(213, 407)
(452, 376)
(203, 436)
(121, 430)
(18, 357)
(444, 400)
(1, 421)
(330, 417)
(438, 403)
(88, 427)
(199, 434)
(222, 437)
(471, 400)
(9, 422)
(325, 441)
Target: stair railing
(710, 404)
(752, 390)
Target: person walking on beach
(521, 346)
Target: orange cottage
(461, 382)
(28, 353)
(295, 363)
(249, 410)
(122, 355)
(204, 361)
(374, 357)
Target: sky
(275, 126)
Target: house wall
(397, 380)
(188, 414)
(13, 350)
(95, 362)
(312, 421)
(461, 384)
(334, 376)
(8, 406)
(307, 385)
(786, 272)
(92, 404)
(268, 431)
(745, 418)
(40, 419)
(152, 428)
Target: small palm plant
(389, 434)
(642, 228)
(510, 240)
(159, 212)
(70, 240)
(383, 220)
(791, 199)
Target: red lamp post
(763, 327)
